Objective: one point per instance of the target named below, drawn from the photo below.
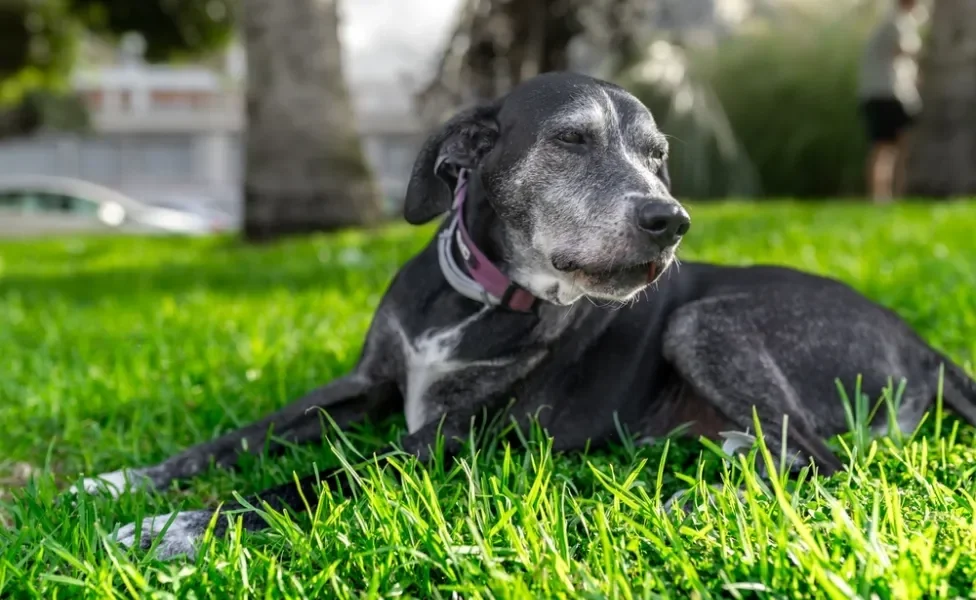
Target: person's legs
(883, 121)
(901, 142)
(898, 171)
(881, 171)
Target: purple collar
(479, 279)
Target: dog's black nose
(665, 221)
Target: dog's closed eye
(573, 138)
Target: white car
(36, 205)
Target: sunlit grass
(122, 352)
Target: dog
(551, 282)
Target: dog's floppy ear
(460, 143)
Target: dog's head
(574, 170)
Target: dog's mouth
(622, 274)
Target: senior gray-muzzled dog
(558, 193)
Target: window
(35, 156)
(43, 202)
(11, 202)
(159, 157)
(100, 160)
(82, 206)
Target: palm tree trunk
(305, 167)
(942, 158)
(507, 42)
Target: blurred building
(174, 132)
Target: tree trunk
(498, 43)
(942, 158)
(518, 40)
(305, 167)
(507, 41)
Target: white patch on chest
(429, 358)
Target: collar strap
(478, 279)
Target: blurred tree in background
(37, 48)
(942, 156)
(40, 40)
(306, 170)
(495, 44)
(173, 29)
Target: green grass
(122, 352)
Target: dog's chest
(432, 358)
(428, 359)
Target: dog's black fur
(559, 168)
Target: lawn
(118, 352)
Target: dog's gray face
(575, 169)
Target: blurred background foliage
(770, 111)
(765, 108)
(40, 43)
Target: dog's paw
(178, 533)
(736, 442)
(115, 483)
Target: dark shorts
(885, 118)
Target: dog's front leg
(181, 531)
(347, 400)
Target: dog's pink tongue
(652, 272)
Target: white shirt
(888, 66)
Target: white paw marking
(179, 538)
(114, 483)
(735, 441)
